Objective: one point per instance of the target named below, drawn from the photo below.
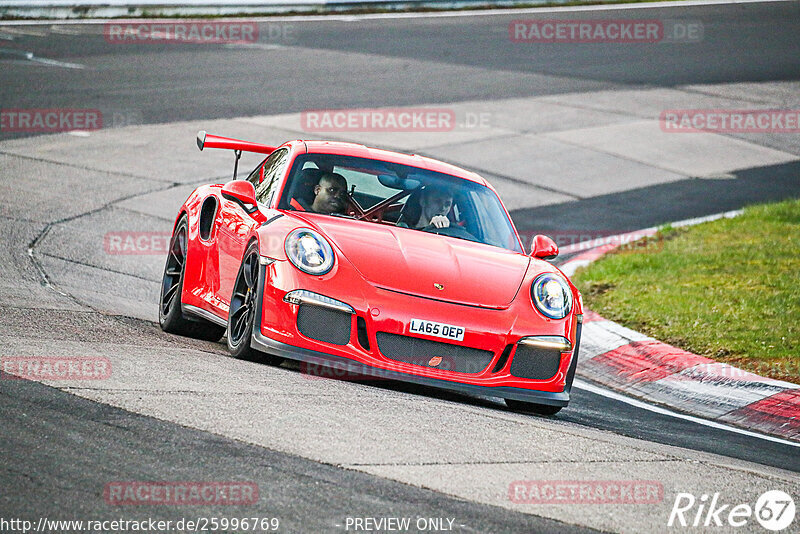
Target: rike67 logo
(774, 510)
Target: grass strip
(727, 289)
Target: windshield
(398, 195)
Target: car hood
(419, 263)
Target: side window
(255, 176)
(265, 178)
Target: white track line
(455, 13)
(56, 63)
(29, 56)
(580, 384)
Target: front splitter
(284, 350)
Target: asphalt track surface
(92, 440)
(60, 437)
(455, 59)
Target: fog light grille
(324, 324)
(535, 363)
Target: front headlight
(552, 295)
(309, 251)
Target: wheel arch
(183, 212)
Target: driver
(330, 194)
(435, 204)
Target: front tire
(530, 407)
(170, 315)
(242, 311)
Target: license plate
(429, 328)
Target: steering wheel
(452, 231)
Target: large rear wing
(205, 140)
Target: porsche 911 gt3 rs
(393, 265)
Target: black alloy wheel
(242, 312)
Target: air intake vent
(324, 324)
(535, 363)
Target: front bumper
(270, 346)
(276, 333)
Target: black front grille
(426, 353)
(324, 324)
(535, 363)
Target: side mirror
(243, 193)
(544, 248)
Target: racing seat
(303, 189)
(411, 211)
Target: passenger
(434, 206)
(330, 194)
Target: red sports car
(389, 265)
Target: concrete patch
(689, 154)
(345, 429)
(644, 103)
(778, 94)
(126, 243)
(409, 141)
(49, 192)
(164, 153)
(490, 484)
(520, 195)
(103, 290)
(556, 165)
(163, 204)
(538, 115)
(21, 283)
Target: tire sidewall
(175, 313)
(243, 347)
